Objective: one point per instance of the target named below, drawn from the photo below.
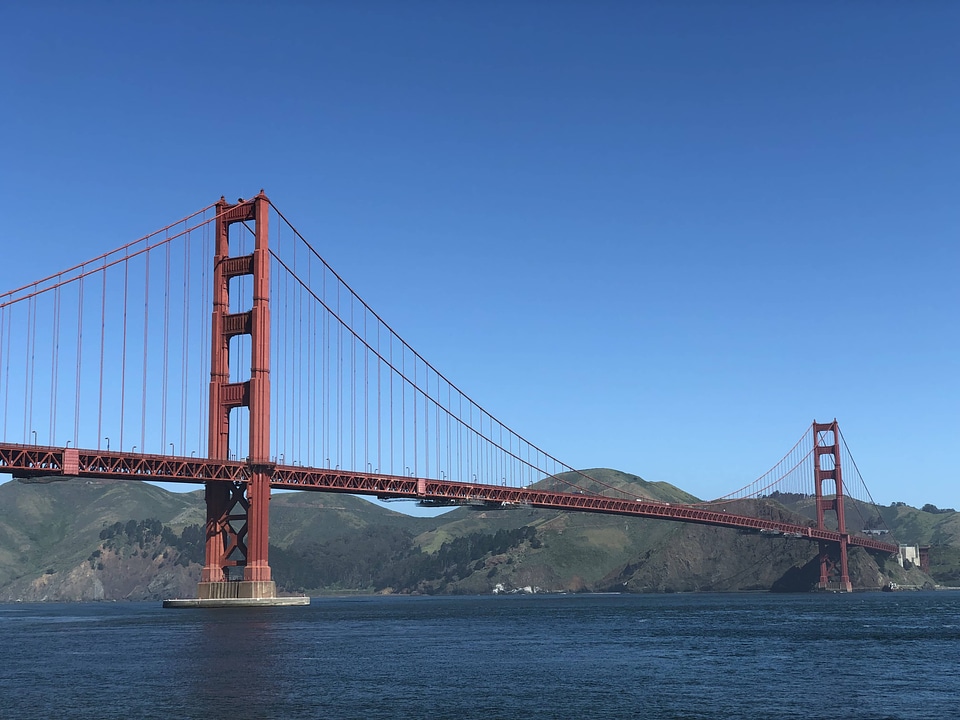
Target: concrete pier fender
(181, 603)
(246, 593)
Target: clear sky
(661, 237)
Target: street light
(134, 449)
(172, 449)
(108, 443)
(34, 436)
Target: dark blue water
(882, 655)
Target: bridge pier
(242, 593)
(236, 589)
(834, 575)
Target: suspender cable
(311, 359)
(392, 456)
(325, 376)
(28, 373)
(275, 350)
(353, 394)
(103, 329)
(146, 344)
(184, 345)
(77, 389)
(416, 435)
(166, 348)
(426, 426)
(54, 366)
(296, 367)
(206, 292)
(5, 358)
(282, 331)
(366, 396)
(339, 385)
(300, 370)
(437, 408)
(123, 351)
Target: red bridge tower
(834, 574)
(238, 513)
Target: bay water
(870, 655)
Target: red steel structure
(374, 407)
(238, 513)
(834, 573)
(30, 461)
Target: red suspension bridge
(114, 369)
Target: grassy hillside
(51, 528)
(112, 540)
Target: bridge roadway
(31, 461)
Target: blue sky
(659, 237)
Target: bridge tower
(834, 574)
(238, 513)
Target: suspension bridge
(116, 368)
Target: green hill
(129, 540)
(51, 529)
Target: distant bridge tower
(238, 513)
(834, 574)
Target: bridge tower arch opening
(237, 514)
(828, 489)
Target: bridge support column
(238, 514)
(834, 573)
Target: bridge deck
(24, 461)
